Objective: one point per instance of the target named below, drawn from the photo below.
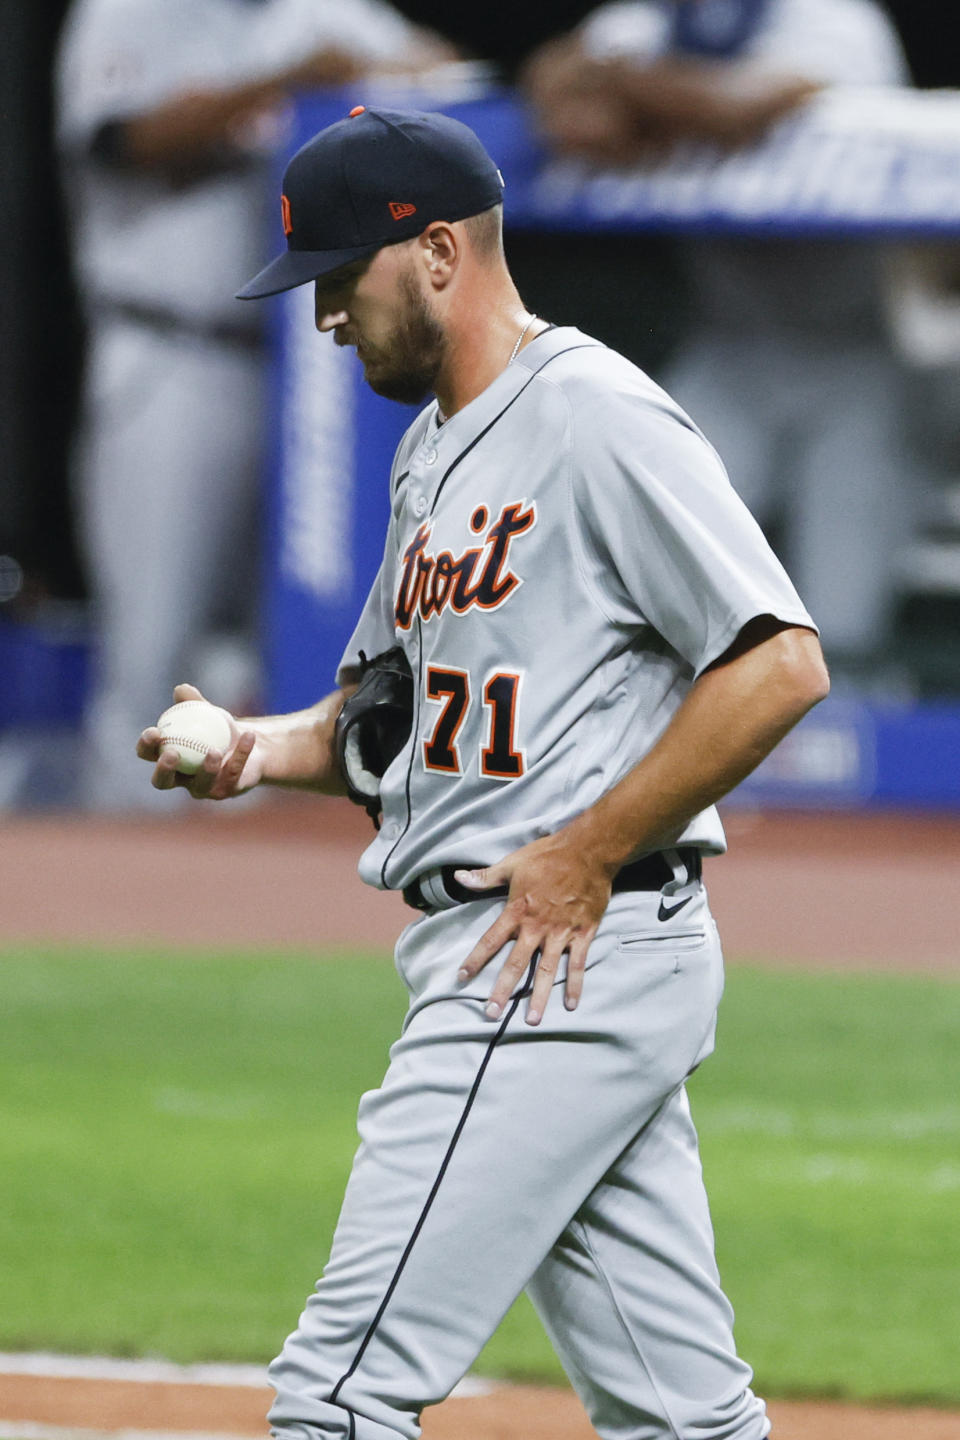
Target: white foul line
(30, 1430)
(147, 1372)
(165, 1372)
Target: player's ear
(441, 247)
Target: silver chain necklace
(516, 349)
(441, 418)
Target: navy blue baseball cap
(373, 179)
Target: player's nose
(328, 318)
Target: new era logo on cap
(336, 186)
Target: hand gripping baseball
(556, 902)
(222, 774)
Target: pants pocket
(661, 942)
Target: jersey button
(391, 830)
(431, 457)
(420, 504)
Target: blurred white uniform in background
(168, 459)
(788, 367)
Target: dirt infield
(508, 1412)
(870, 891)
(867, 892)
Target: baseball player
(599, 644)
(169, 112)
(788, 364)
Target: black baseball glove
(373, 726)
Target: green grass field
(175, 1133)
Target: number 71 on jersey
(501, 758)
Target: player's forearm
(188, 129)
(735, 714)
(298, 750)
(191, 128)
(729, 104)
(617, 109)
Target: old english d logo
(400, 212)
(285, 212)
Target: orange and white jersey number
(501, 757)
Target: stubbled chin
(401, 390)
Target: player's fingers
(489, 879)
(504, 928)
(186, 692)
(202, 783)
(228, 778)
(546, 973)
(576, 966)
(148, 746)
(164, 776)
(511, 973)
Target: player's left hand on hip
(555, 904)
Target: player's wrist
(296, 750)
(273, 760)
(600, 846)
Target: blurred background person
(625, 287)
(168, 112)
(924, 301)
(786, 362)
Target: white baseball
(192, 728)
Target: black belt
(170, 322)
(438, 890)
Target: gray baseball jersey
(838, 42)
(565, 556)
(782, 330)
(173, 389)
(187, 246)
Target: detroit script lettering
(428, 583)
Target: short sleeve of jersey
(632, 29)
(284, 32)
(116, 58)
(370, 29)
(835, 42)
(121, 57)
(666, 541)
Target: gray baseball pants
(560, 1159)
(168, 464)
